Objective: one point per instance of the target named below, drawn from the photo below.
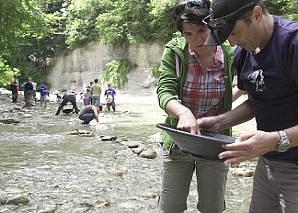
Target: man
(34, 84)
(28, 92)
(44, 94)
(110, 97)
(68, 97)
(14, 84)
(89, 113)
(96, 91)
(266, 61)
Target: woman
(195, 81)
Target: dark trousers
(15, 93)
(86, 118)
(70, 99)
(113, 105)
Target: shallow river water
(62, 173)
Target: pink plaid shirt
(204, 88)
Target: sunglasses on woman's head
(192, 3)
(188, 4)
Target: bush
(116, 72)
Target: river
(58, 172)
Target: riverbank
(57, 172)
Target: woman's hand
(187, 122)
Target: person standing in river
(14, 85)
(44, 94)
(96, 92)
(28, 92)
(110, 97)
(195, 81)
(266, 62)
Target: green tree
(116, 72)
(162, 22)
(32, 31)
(286, 8)
(81, 21)
(126, 22)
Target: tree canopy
(32, 31)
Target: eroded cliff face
(80, 66)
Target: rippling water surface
(68, 173)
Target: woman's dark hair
(192, 12)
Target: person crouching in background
(89, 113)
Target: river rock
(18, 199)
(109, 138)
(102, 202)
(150, 154)
(139, 149)
(245, 172)
(132, 144)
(48, 209)
(9, 120)
(82, 133)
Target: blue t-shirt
(271, 78)
(44, 90)
(110, 91)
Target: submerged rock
(9, 120)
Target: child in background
(44, 94)
(87, 97)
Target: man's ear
(257, 13)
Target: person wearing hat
(267, 66)
(195, 81)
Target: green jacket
(170, 85)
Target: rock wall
(80, 66)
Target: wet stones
(140, 149)
(13, 196)
(9, 120)
(244, 169)
(108, 138)
(82, 133)
(149, 154)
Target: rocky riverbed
(53, 163)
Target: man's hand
(249, 145)
(210, 123)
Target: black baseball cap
(223, 16)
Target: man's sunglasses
(222, 21)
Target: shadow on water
(64, 173)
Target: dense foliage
(116, 72)
(32, 31)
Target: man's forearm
(240, 114)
